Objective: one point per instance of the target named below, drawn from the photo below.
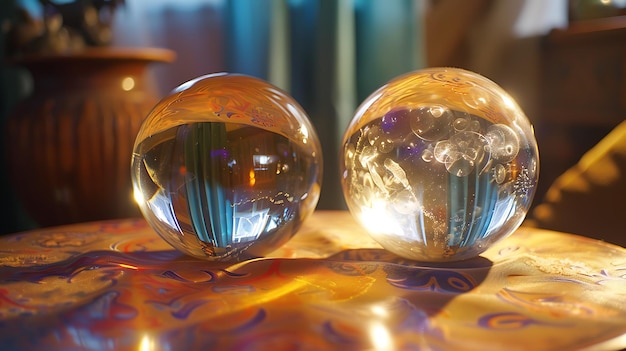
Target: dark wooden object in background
(582, 92)
(70, 143)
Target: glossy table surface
(115, 285)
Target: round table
(116, 285)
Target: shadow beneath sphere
(427, 286)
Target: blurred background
(561, 60)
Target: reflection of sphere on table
(439, 164)
(227, 167)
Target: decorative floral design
(440, 281)
(119, 287)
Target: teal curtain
(247, 36)
(328, 54)
(387, 41)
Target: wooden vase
(70, 143)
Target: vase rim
(147, 54)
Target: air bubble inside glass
(439, 164)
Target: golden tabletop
(116, 285)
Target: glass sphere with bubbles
(439, 164)
(227, 167)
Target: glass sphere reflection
(226, 167)
(439, 164)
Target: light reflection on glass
(147, 343)
(376, 219)
(379, 311)
(381, 338)
(247, 226)
(163, 209)
(138, 195)
(129, 266)
(262, 162)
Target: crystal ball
(226, 167)
(439, 164)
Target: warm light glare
(304, 131)
(305, 134)
(128, 84)
(147, 343)
(376, 219)
(508, 102)
(381, 338)
(379, 311)
(252, 178)
(124, 265)
(138, 195)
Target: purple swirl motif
(233, 274)
(179, 309)
(607, 276)
(440, 281)
(511, 321)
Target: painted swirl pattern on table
(117, 286)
